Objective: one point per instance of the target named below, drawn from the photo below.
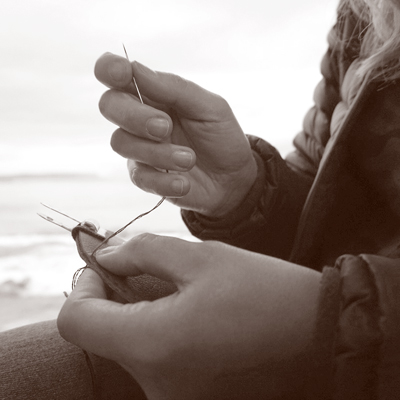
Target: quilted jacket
(334, 205)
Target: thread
(79, 271)
(76, 276)
(128, 224)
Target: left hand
(181, 128)
(237, 327)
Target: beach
(16, 311)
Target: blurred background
(262, 56)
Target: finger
(113, 71)
(93, 323)
(171, 259)
(159, 155)
(162, 183)
(126, 111)
(189, 99)
(90, 286)
(163, 88)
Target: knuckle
(210, 245)
(219, 105)
(221, 102)
(178, 84)
(144, 240)
(153, 154)
(177, 80)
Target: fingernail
(157, 127)
(117, 70)
(182, 158)
(177, 186)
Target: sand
(16, 311)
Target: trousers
(36, 363)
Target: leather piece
(132, 289)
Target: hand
(181, 128)
(238, 326)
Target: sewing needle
(49, 219)
(59, 212)
(133, 78)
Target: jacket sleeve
(357, 338)
(267, 219)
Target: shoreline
(16, 311)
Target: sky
(262, 56)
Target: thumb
(164, 257)
(190, 99)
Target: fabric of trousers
(36, 363)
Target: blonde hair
(380, 49)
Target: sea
(40, 258)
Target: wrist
(244, 202)
(241, 186)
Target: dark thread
(96, 391)
(78, 272)
(76, 276)
(129, 223)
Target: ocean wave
(43, 264)
(41, 270)
(21, 241)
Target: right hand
(240, 325)
(181, 128)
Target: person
(293, 291)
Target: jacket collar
(319, 199)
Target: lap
(36, 363)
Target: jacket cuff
(367, 355)
(357, 338)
